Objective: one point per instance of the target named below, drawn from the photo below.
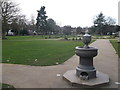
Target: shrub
(76, 38)
(73, 39)
(80, 38)
(45, 37)
(66, 38)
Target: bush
(66, 38)
(73, 39)
(76, 38)
(80, 38)
(49, 36)
(24, 32)
(57, 37)
(45, 37)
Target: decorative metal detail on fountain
(86, 39)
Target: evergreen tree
(99, 23)
(41, 21)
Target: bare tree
(18, 23)
(32, 23)
(32, 20)
(22, 23)
(51, 25)
(110, 21)
(9, 11)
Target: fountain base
(74, 80)
(85, 74)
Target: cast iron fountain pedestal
(86, 70)
(85, 73)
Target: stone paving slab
(25, 76)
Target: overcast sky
(71, 12)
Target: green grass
(103, 36)
(37, 52)
(37, 37)
(6, 86)
(26, 37)
(116, 45)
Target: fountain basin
(86, 52)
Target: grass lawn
(103, 36)
(36, 37)
(7, 86)
(116, 46)
(37, 52)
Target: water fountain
(86, 70)
(85, 73)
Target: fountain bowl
(86, 52)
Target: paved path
(23, 76)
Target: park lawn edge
(6, 86)
(116, 46)
(47, 64)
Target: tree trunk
(3, 35)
